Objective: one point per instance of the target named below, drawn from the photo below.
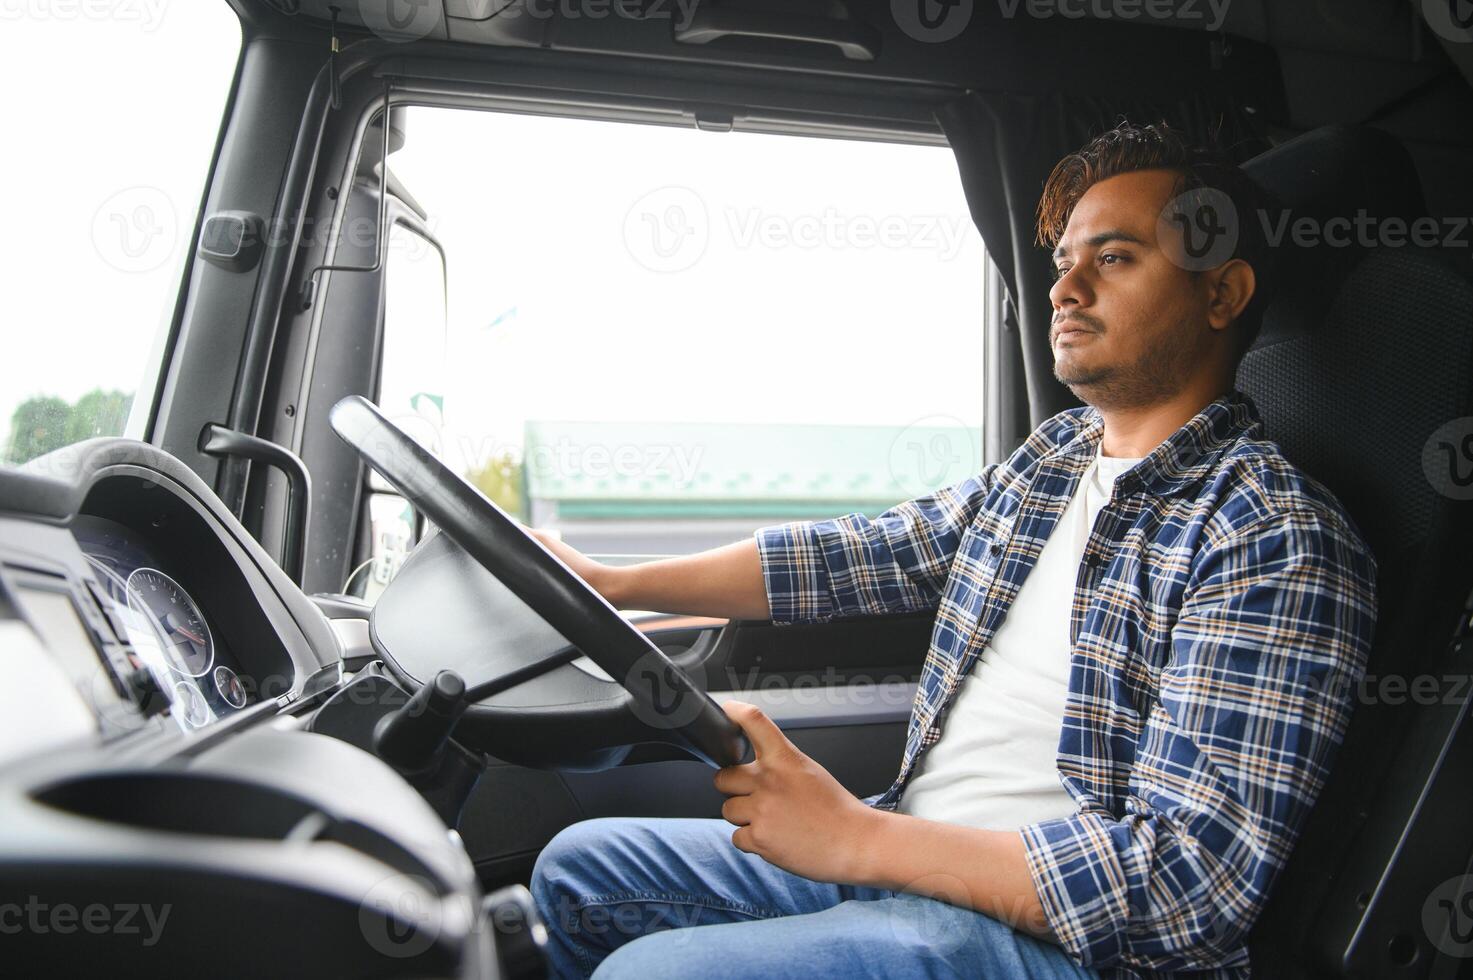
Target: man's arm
(861, 566)
(805, 571)
(725, 581)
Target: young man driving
(1148, 625)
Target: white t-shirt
(995, 765)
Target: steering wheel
(665, 698)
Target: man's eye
(1111, 259)
(1060, 271)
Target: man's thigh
(602, 883)
(899, 937)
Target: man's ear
(1230, 286)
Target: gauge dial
(230, 687)
(183, 634)
(190, 705)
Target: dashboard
(157, 748)
(160, 611)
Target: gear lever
(415, 739)
(412, 738)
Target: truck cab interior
(316, 753)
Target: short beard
(1158, 375)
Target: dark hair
(1128, 148)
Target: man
(1147, 627)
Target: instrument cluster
(168, 629)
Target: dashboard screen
(47, 710)
(55, 618)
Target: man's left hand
(788, 809)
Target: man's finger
(763, 732)
(742, 839)
(736, 780)
(737, 810)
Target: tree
(501, 480)
(37, 427)
(45, 422)
(98, 413)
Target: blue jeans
(650, 898)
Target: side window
(661, 339)
(411, 390)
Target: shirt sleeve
(858, 566)
(1271, 641)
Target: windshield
(114, 112)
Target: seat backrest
(1363, 373)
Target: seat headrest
(1340, 173)
(1340, 170)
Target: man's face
(1130, 326)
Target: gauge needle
(168, 623)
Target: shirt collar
(1187, 456)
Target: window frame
(902, 115)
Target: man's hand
(792, 813)
(788, 809)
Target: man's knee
(601, 856)
(563, 867)
(561, 854)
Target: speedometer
(183, 633)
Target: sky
(640, 273)
(596, 270)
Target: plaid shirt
(1222, 617)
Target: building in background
(623, 488)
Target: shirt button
(996, 548)
(1094, 560)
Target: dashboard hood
(116, 476)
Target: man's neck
(1134, 431)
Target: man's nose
(1071, 288)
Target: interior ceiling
(1386, 29)
(1342, 61)
(1385, 40)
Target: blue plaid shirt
(1222, 617)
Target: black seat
(1365, 356)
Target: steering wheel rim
(665, 697)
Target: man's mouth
(1071, 328)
